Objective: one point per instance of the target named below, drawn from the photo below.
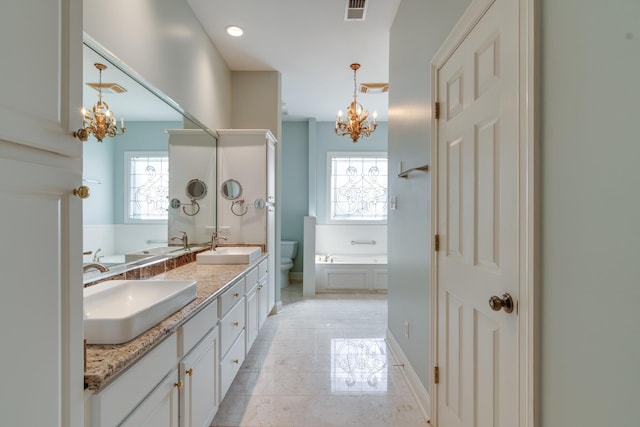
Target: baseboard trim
(421, 394)
(296, 276)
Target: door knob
(496, 303)
(82, 192)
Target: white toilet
(288, 252)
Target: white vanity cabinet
(184, 378)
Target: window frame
(128, 155)
(329, 175)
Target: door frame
(529, 206)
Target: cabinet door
(253, 323)
(160, 408)
(41, 304)
(199, 372)
(263, 300)
(41, 85)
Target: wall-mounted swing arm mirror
(231, 189)
(196, 189)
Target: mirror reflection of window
(147, 177)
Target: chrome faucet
(184, 239)
(214, 240)
(96, 258)
(95, 266)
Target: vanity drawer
(191, 332)
(230, 364)
(263, 267)
(252, 279)
(231, 296)
(231, 326)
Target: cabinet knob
(236, 295)
(189, 371)
(236, 323)
(236, 361)
(178, 385)
(82, 191)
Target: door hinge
(436, 242)
(436, 111)
(436, 375)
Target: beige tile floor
(321, 362)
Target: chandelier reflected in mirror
(100, 121)
(357, 124)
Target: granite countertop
(105, 362)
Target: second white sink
(117, 311)
(229, 255)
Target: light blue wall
(590, 283)
(418, 30)
(326, 141)
(97, 165)
(295, 180)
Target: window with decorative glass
(147, 186)
(358, 187)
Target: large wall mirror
(131, 176)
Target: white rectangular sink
(117, 311)
(229, 255)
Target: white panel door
(478, 223)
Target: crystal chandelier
(357, 123)
(100, 120)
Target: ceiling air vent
(356, 10)
(374, 87)
(107, 87)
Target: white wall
(590, 322)
(164, 42)
(418, 30)
(193, 156)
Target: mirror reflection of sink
(117, 311)
(229, 255)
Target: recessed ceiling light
(234, 30)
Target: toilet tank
(288, 249)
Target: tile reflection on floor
(322, 362)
